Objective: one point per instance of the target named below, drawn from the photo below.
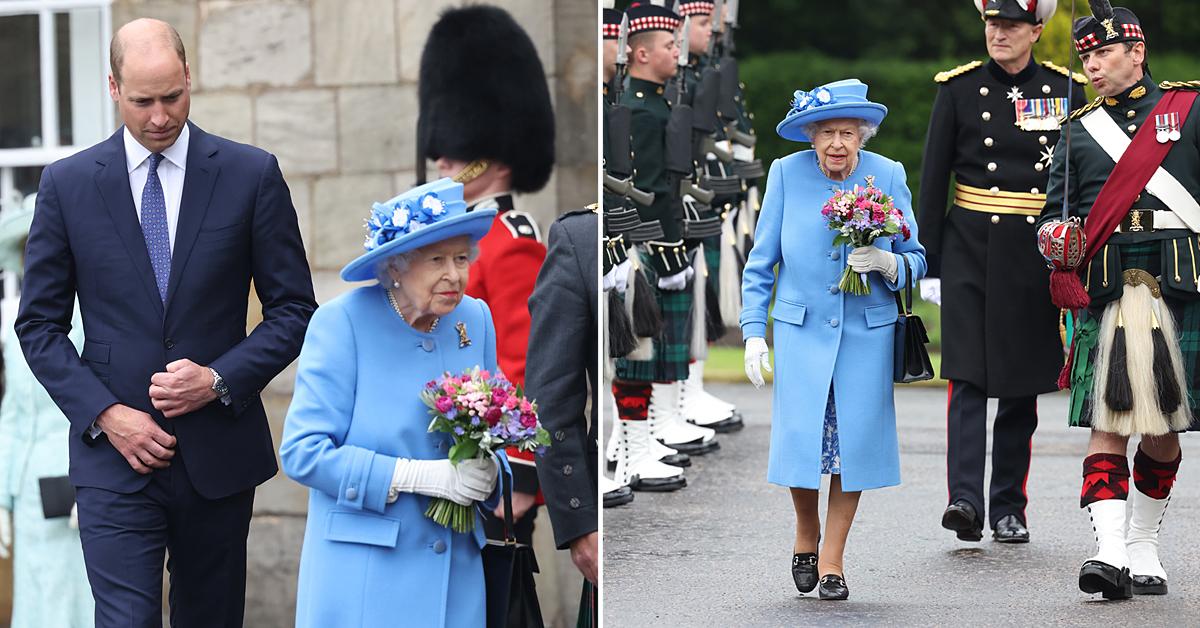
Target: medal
(1166, 128)
(1040, 114)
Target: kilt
(1146, 256)
(672, 348)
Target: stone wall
(329, 86)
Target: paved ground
(718, 552)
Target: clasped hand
(185, 387)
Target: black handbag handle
(905, 310)
(510, 535)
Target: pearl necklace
(396, 306)
(825, 172)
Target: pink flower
(499, 395)
(525, 407)
(444, 404)
(493, 416)
(510, 403)
(528, 420)
(484, 374)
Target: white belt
(1161, 220)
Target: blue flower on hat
(400, 217)
(819, 97)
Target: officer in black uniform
(994, 126)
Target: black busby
(1106, 25)
(483, 95)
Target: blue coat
(821, 334)
(356, 410)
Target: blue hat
(421, 216)
(841, 99)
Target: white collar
(488, 201)
(176, 153)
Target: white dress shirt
(170, 173)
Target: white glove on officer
(5, 532)
(931, 290)
(865, 259)
(676, 282)
(758, 357)
(618, 277)
(463, 483)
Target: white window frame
(50, 150)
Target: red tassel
(1064, 376)
(1066, 290)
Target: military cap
(611, 28)
(694, 7)
(482, 95)
(1031, 11)
(1105, 26)
(645, 17)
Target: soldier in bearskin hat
(1133, 158)
(994, 126)
(486, 120)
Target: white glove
(757, 358)
(676, 282)
(610, 279)
(620, 276)
(73, 520)
(5, 532)
(931, 290)
(865, 259)
(464, 483)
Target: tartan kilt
(1146, 256)
(672, 348)
(712, 258)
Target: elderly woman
(356, 432)
(834, 413)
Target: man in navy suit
(160, 230)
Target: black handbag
(58, 496)
(911, 356)
(508, 568)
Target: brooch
(463, 341)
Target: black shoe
(1103, 578)
(804, 571)
(961, 517)
(695, 448)
(725, 426)
(1149, 585)
(677, 460)
(1010, 529)
(833, 587)
(658, 485)
(618, 497)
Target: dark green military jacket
(649, 123)
(1090, 167)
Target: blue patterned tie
(154, 227)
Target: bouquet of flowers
(860, 216)
(483, 412)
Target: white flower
(434, 204)
(400, 217)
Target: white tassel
(699, 341)
(730, 277)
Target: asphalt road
(718, 552)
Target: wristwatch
(219, 386)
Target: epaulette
(521, 225)
(1086, 108)
(942, 77)
(1179, 85)
(1076, 76)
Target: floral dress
(831, 459)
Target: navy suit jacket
(236, 224)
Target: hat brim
(792, 127)
(474, 224)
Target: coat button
(1034, 191)
(1030, 219)
(995, 219)
(994, 190)
(1045, 89)
(1039, 166)
(568, 469)
(987, 141)
(987, 115)
(439, 546)
(351, 493)
(833, 322)
(835, 255)
(834, 290)
(1132, 128)
(1043, 139)
(560, 436)
(983, 91)
(169, 344)
(991, 166)
(1131, 114)
(427, 344)
(574, 502)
